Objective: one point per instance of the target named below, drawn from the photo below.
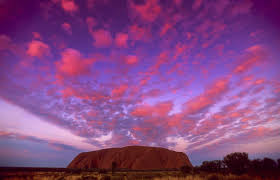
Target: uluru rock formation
(131, 157)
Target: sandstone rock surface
(131, 157)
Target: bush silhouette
(196, 169)
(256, 165)
(185, 169)
(212, 166)
(237, 163)
(102, 171)
(269, 164)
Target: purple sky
(201, 77)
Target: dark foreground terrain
(234, 166)
(76, 174)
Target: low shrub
(185, 169)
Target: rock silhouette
(131, 157)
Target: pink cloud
(144, 80)
(218, 87)
(81, 93)
(207, 126)
(241, 7)
(160, 109)
(175, 120)
(204, 27)
(131, 59)
(189, 35)
(180, 49)
(55, 1)
(121, 39)
(247, 78)
(5, 134)
(143, 130)
(69, 6)
(231, 107)
(138, 33)
(119, 91)
(102, 38)
(149, 11)
(209, 97)
(197, 4)
(144, 110)
(90, 4)
(163, 108)
(92, 113)
(199, 103)
(91, 22)
(38, 49)
(166, 27)
(72, 63)
(67, 92)
(178, 2)
(55, 147)
(5, 42)
(161, 59)
(259, 81)
(37, 35)
(151, 93)
(67, 28)
(254, 55)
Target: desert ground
(68, 174)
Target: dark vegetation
(238, 163)
(185, 169)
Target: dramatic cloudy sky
(201, 77)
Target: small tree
(237, 162)
(269, 164)
(196, 169)
(218, 165)
(114, 166)
(205, 166)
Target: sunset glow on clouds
(201, 77)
